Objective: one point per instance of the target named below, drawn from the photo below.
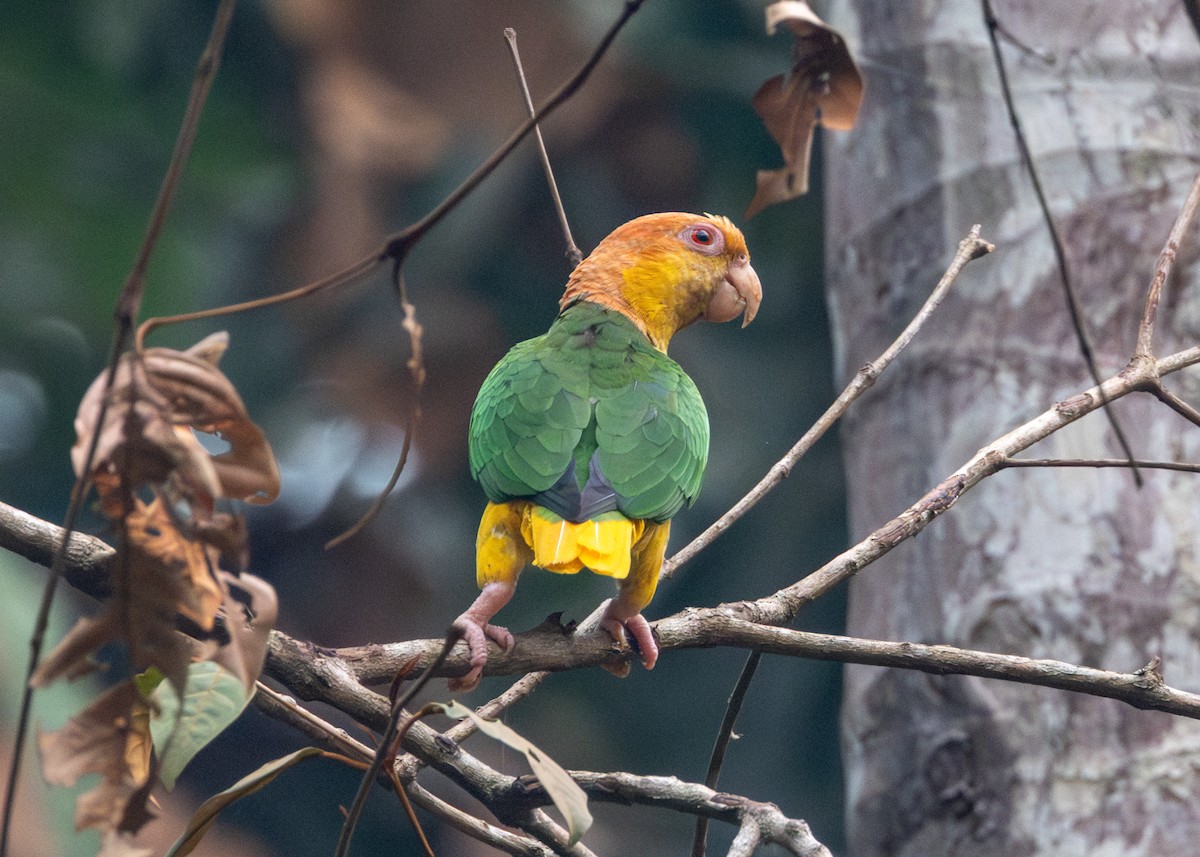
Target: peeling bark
(1077, 565)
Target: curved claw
(643, 638)
(476, 635)
(473, 624)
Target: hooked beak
(740, 292)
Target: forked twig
(398, 245)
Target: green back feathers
(590, 418)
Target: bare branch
(1162, 269)
(1145, 464)
(574, 254)
(771, 825)
(1176, 404)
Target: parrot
(587, 440)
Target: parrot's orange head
(665, 271)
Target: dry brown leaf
(160, 574)
(160, 549)
(71, 654)
(824, 86)
(147, 436)
(251, 608)
(98, 741)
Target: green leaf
(249, 784)
(146, 682)
(568, 797)
(213, 699)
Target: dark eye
(706, 239)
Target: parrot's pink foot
(638, 627)
(476, 634)
(476, 631)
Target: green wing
(590, 418)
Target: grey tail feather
(564, 498)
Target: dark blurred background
(330, 125)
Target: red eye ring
(703, 238)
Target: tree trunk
(1077, 565)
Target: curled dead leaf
(251, 608)
(824, 85)
(107, 739)
(155, 404)
(160, 575)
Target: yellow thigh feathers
(513, 534)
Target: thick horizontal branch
(315, 673)
(87, 558)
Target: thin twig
(1074, 307)
(125, 313)
(398, 245)
(389, 735)
(574, 254)
(1162, 269)
(410, 766)
(350, 274)
(1176, 404)
(416, 371)
(284, 708)
(1145, 464)
(724, 735)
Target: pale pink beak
(739, 293)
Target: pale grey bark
(1069, 564)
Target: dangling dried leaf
(206, 815)
(154, 405)
(161, 550)
(824, 86)
(567, 796)
(250, 610)
(160, 575)
(102, 739)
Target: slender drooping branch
(124, 315)
(397, 246)
(1074, 307)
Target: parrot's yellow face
(665, 271)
